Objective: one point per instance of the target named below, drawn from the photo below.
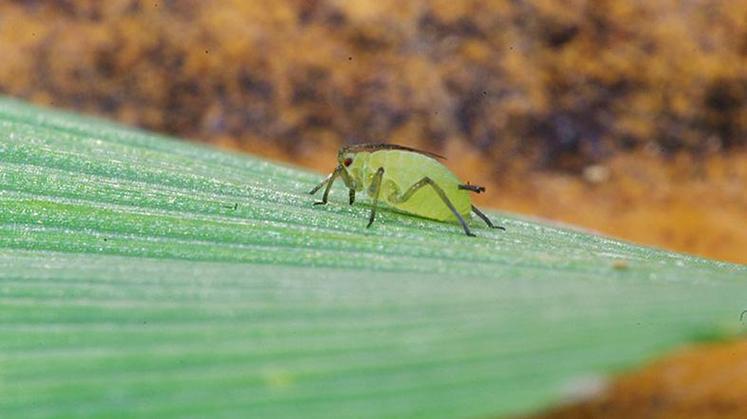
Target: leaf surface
(145, 276)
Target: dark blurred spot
(105, 63)
(556, 36)
(253, 85)
(725, 95)
(467, 113)
(569, 139)
(725, 100)
(321, 12)
(335, 18)
(463, 27)
(310, 86)
(368, 40)
(307, 11)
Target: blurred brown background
(627, 117)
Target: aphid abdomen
(426, 202)
(405, 169)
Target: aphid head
(347, 156)
(346, 161)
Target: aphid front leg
(350, 183)
(319, 186)
(375, 190)
(329, 180)
(428, 181)
(486, 219)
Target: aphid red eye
(348, 162)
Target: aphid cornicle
(407, 179)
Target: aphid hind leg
(329, 180)
(428, 181)
(351, 195)
(486, 219)
(375, 190)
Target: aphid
(407, 179)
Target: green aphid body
(401, 170)
(406, 179)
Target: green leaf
(143, 276)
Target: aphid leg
(351, 195)
(329, 181)
(374, 190)
(428, 181)
(319, 186)
(486, 219)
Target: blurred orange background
(629, 118)
(625, 117)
